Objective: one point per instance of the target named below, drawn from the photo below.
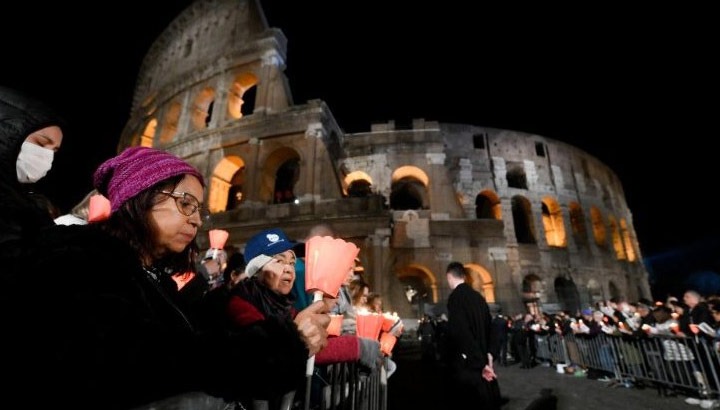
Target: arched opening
(522, 220)
(420, 288)
(487, 205)
(409, 189)
(481, 281)
(221, 183)
(241, 96)
(627, 241)
(235, 193)
(567, 294)
(577, 222)
(170, 122)
(272, 190)
(553, 223)
(359, 184)
(202, 108)
(616, 239)
(146, 139)
(286, 177)
(598, 225)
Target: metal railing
(689, 364)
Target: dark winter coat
(20, 216)
(86, 326)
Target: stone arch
(409, 189)
(598, 224)
(481, 281)
(148, 135)
(221, 182)
(616, 239)
(274, 179)
(627, 241)
(170, 122)
(487, 205)
(422, 282)
(523, 220)
(202, 108)
(553, 223)
(577, 223)
(567, 294)
(425, 274)
(357, 184)
(238, 103)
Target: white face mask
(33, 162)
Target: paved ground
(418, 385)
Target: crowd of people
(120, 313)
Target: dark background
(635, 88)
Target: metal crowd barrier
(343, 386)
(688, 364)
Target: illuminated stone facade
(539, 223)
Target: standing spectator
(473, 379)
(697, 312)
(500, 327)
(30, 134)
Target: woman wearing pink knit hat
(96, 321)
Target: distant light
(296, 201)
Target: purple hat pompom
(136, 169)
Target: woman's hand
(312, 323)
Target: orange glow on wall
(553, 223)
(598, 225)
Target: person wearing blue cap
(281, 338)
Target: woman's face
(49, 137)
(174, 231)
(279, 273)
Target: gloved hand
(369, 353)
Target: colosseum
(539, 223)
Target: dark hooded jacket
(20, 215)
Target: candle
(335, 325)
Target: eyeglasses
(186, 203)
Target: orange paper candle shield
(335, 325)
(327, 263)
(368, 324)
(218, 237)
(98, 209)
(388, 321)
(387, 342)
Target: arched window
(553, 223)
(522, 220)
(202, 108)
(577, 222)
(598, 225)
(487, 205)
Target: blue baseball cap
(268, 242)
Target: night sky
(636, 89)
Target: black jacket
(85, 326)
(20, 216)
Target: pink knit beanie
(135, 170)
